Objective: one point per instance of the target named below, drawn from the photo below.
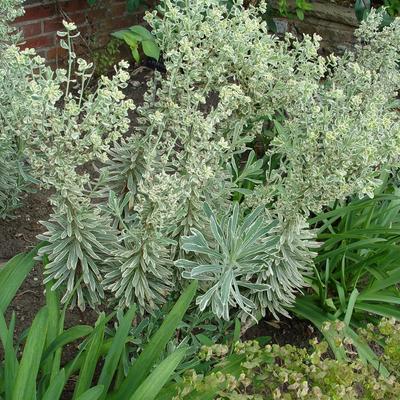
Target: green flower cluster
(9, 10)
(49, 130)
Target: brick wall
(43, 18)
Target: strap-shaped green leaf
(56, 387)
(150, 388)
(114, 354)
(92, 394)
(68, 336)
(91, 359)
(25, 383)
(12, 274)
(142, 366)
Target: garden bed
(248, 186)
(19, 235)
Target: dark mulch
(19, 233)
(292, 331)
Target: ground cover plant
(254, 371)
(142, 228)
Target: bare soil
(285, 331)
(19, 233)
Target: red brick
(78, 18)
(98, 14)
(32, 29)
(52, 64)
(37, 13)
(56, 53)
(53, 25)
(39, 42)
(41, 53)
(123, 22)
(118, 9)
(85, 30)
(74, 5)
(42, 20)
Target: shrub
(11, 165)
(256, 76)
(9, 10)
(226, 80)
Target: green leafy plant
(233, 264)
(247, 176)
(384, 336)
(362, 8)
(179, 152)
(194, 331)
(138, 35)
(104, 59)
(260, 372)
(230, 372)
(12, 275)
(356, 271)
(116, 233)
(38, 129)
(13, 179)
(390, 9)
(300, 8)
(38, 372)
(9, 10)
(13, 172)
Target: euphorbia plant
(225, 77)
(52, 128)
